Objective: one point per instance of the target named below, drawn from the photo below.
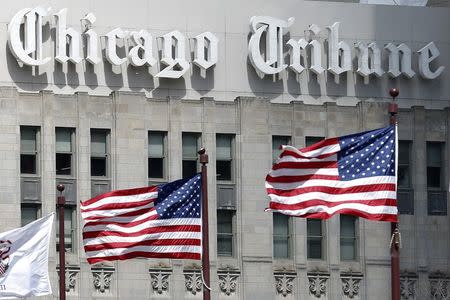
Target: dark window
(225, 232)
(64, 151)
(437, 194)
(224, 157)
(404, 162)
(311, 140)
(281, 236)
(29, 213)
(99, 152)
(434, 165)
(348, 237)
(277, 141)
(156, 154)
(190, 145)
(28, 150)
(314, 238)
(69, 228)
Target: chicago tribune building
(98, 96)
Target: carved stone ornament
(439, 285)
(160, 280)
(350, 284)
(284, 282)
(317, 284)
(102, 278)
(408, 284)
(71, 278)
(193, 281)
(228, 280)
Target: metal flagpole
(395, 242)
(62, 251)
(205, 231)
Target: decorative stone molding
(318, 284)
(284, 281)
(439, 286)
(408, 286)
(160, 280)
(102, 278)
(71, 278)
(350, 284)
(228, 280)
(193, 280)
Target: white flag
(24, 260)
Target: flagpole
(62, 251)
(395, 252)
(205, 231)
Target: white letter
(179, 58)
(62, 32)
(426, 55)
(202, 41)
(338, 49)
(295, 54)
(273, 62)
(364, 56)
(32, 36)
(111, 54)
(143, 45)
(394, 64)
(92, 40)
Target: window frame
(354, 238)
(321, 237)
(73, 229)
(36, 206)
(72, 152)
(232, 235)
(164, 157)
(287, 237)
(106, 155)
(36, 153)
(231, 159)
(198, 137)
(275, 150)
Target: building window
(311, 140)
(29, 150)
(405, 195)
(225, 236)
(281, 236)
(65, 138)
(437, 196)
(314, 238)
(224, 157)
(69, 228)
(348, 237)
(190, 144)
(29, 213)
(30, 182)
(99, 152)
(157, 154)
(277, 141)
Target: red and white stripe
(124, 224)
(305, 183)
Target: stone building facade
(102, 127)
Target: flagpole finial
(394, 92)
(201, 151)
(60, 187)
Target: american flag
(353, 174)
(162, 221)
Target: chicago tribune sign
(266, 54)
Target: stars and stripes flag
(353, 174)
(162, 221)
